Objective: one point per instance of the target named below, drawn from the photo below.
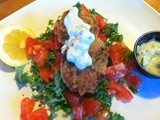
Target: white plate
(134, 18)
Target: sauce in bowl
(148, 55)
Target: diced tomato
(30, 42)
(78, 112)
(116, 72)
(73, 98)
(85, 8)
(102, 36)
(41, 57)
(27, 106)
(45, 74)
(132, 79)
(91, 106)
(36, 51)
(27, 112)
(118, 52)
(121, 92)
(131, 64)
(102, 24)
(53, 44)
(39, 114)
(49, 44)
(103, 114)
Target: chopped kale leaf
(51, 58)
(133, 89)
(116, 116)
(130, 56)
(93, 12)
(112, 33)
(101, 94)
(78, 5)
(47, 35)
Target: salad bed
(44, 77)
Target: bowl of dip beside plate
(147, 53)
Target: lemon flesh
(12, 45)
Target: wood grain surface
(154, 3)
(7, 7)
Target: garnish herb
(112, 33)
(50, 93)
(93, 12)
(21, 77)
(130, 56)
(51, 58)
(101, 94)
(116, 116)
(133, 89)
(78, 5)
(48, 32)
(122, 81)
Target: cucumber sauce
(149, 56)
(80, 40)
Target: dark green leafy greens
(48, 32)
(116, 116)
(52, 92)
(111, 31)
(51, 58)
(78, 5)
(131, 87)
(112, 34)
(101, 94)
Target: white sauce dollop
(149, 56)
(80, 40)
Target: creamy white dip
(149, 56)
(80, 40)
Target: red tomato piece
(78, 112)
(103, 114)
(36, 51)
(102, 24)
(85, 8)
(27, 106)
(45, 74)
(50, 44)
(53, 44)
(131, 64)
(102, 36)
(73, 98)
(118, 52)
(132, 79)
(30, 42)
(41, 57)
(91, 106)
(121, 92)
(116, 72)
(39, 114)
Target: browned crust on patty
(61, 31)
(83, 81)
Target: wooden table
(154, 3)
(7, 7)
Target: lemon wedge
(12, 45)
